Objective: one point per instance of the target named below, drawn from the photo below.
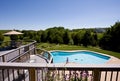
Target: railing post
(35, 51)
(32, 74)
(3, 58)
(29, 52)
(19, 56)
(96, 75)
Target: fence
(58, 72)
(19, 54)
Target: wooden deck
(26, 64)
(37, 59)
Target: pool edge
(112, 59)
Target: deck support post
(96, 75)
(32, 74)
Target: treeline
(1, 38)
(1, 35)
(109, 40)
(60, 35)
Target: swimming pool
(82, 57)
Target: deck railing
(58, 72)
(19, 54)
(4, 45)
(7, 45)
(44, 53)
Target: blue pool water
(82, 57)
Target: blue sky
(71, 14)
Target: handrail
(18, 48)
(51, 56)
(51, 59)
(18, 52)
(59, 65)
(45, 72)
(7, 45)
(19, 55)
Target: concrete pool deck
(113, 60)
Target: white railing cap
(57, 65)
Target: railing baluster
(64, 75)
(37, 73)
(45, 75)
(8, 74)
(24, 74)
(111, 76)
(80, 74)
(3, 74)
(42, 74)
(105, 75)
(117, 76)
(18, 73)
(13, 74)
(58, 75)
(32, 74)
(75, 75)
(100, 75)
(69, 74)
(96, 75)
(92, 75)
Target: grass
(100, 35)
(48, 46)
(6, 38)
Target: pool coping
(112, 60)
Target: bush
(1, 38)
(14, 37)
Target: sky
(71, 14)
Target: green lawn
(6, 38)
(48, 47)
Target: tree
(44, 36)
(37, 38)
(66, 37)
(105, 42)
(51, 36)
(21, 37)
(71, 42)
(31, 35)
(111, 38)
(86, 39)
(14, 37)
(1, 38)
(77, 38)
(94, 39)
(58, 39)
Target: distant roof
(13, 32)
